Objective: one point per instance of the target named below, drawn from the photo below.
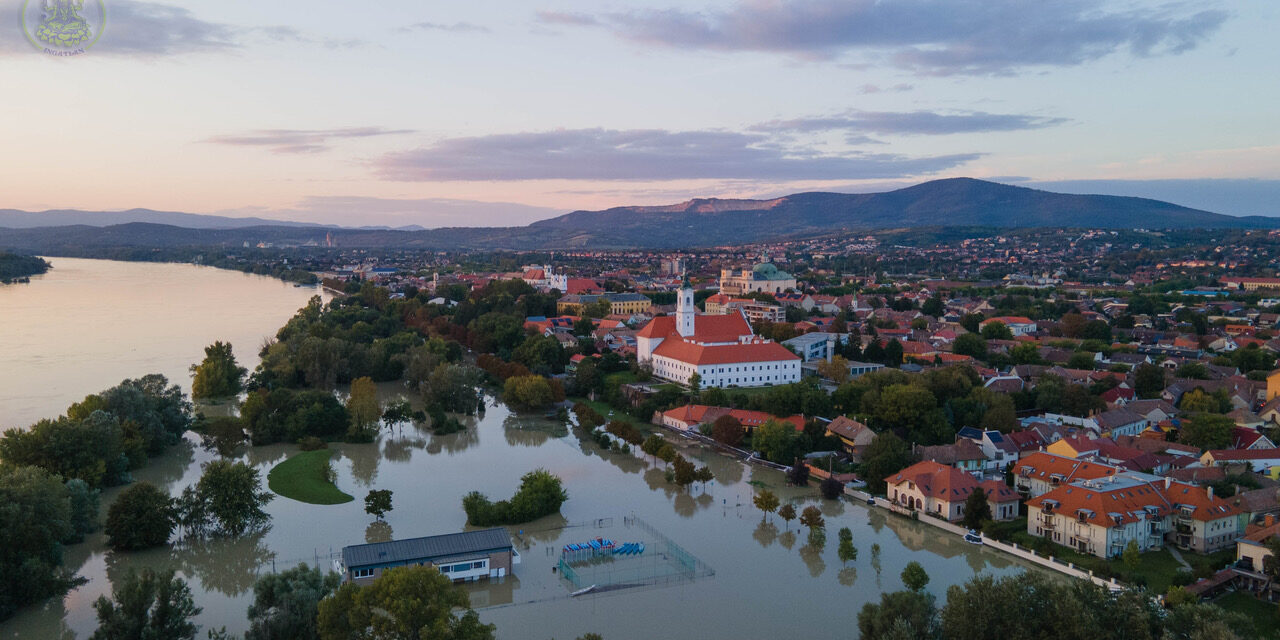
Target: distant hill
(950, 202)
(956, 202)
(15, 219)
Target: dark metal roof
(428, 548)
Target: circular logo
(63, 27)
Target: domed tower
(685, 310)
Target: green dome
(766, 271)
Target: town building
(762, 277)
(938, 489)
(1102, 516)
(854, 436)
(464, 556)
(754, 310)
(619, 303)
(1041, 472)
(721, 350)
(1018, 325)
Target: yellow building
(619, 303)
(1273, 384)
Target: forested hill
(956, 202)
(14, 266)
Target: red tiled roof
(706, 328)
(694, 353)
(939, 481)
(1043, 466)
(1103, 503)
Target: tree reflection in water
(169, 468)
(766, 533)
(454, 442)
(544, 529)
(226, 565)
(847, 576)
(378, 531)
(787, 539)
(400, 449)
(364, 462)
(812, 555)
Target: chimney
(1210, 489)
(1168, 483)
(1269, 520)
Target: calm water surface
(88, 324)
(766, 582)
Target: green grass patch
(1263, 614)
(621, 377)
(304, 477)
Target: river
(88, 324)
(751, 578)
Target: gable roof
(698, 354)
(1046, 466)
(707, 328)
(442, 546)
(941, 482)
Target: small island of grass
(305, 477)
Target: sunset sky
(496, 112)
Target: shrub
(540, 494)
(141, 517)
(312, 443)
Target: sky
(495, 112)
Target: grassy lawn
(604, 409)
(1262, 613)
(622, 377)
(302, 478)
(1156, 570)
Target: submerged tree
(147, 605)
(219, 375)
(378, 503)
(414, 603)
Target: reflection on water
(429, 474)
(377, 531)
(765, 533)
(812, 555)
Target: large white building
(721, 349)
(763, 277)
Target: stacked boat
(601, 547)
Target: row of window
(444, 568)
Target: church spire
(685, 309)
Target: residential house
(1256, 460)
(1018, 325)
(1252, 548)
(854, 435)
(938, 489)
(1041, 472)
(1101, 517)
(963, 454)
(1121, 422)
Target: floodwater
(754, 579)
(88, 324)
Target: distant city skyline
(501, 113)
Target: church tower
(685, 310)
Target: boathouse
(469, 555)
